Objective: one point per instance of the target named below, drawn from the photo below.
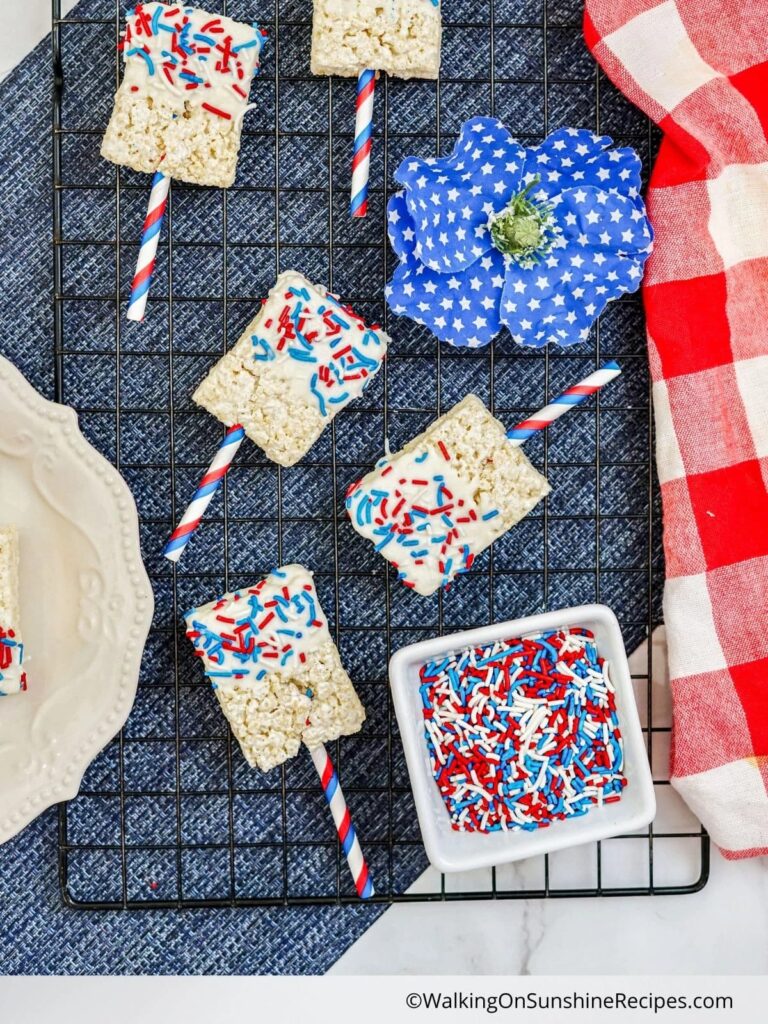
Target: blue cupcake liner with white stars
(536, 239)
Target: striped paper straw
(572, 396)
(361, 154)
(350, 844)
(205, 491)
(150, 236)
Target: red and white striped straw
(150, 236)
(361, 155)
(206, 489)
(350, 844)
(558, 406)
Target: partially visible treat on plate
(275, 669)
(401, 37)
(184, 93)
(299, 362)
(523, 732)
(13, 679)
(433, 506)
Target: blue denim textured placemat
(36, 933)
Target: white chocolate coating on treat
(401, 37)
(432, 507)
(184, 93)
(275, 669)
(190, 55)
(12, 676)
(302, 359)
(249, 633)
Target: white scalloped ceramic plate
(86, 601)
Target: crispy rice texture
(401, 37)
(199, 147)
(239, 389)
(9, 578)
(269, 716)
(481, 453)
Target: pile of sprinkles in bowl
(523, 732)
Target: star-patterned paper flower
(539, 239)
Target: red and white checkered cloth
(699, 68)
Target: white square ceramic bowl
(449, 850)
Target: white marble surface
(31, 23)
(723, 929)
(637, 935)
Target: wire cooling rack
(169, 815)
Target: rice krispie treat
(401, 37)
(432, 507)
(183, 94)
(300, 360)
(12, 676)
(274, 667)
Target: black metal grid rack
(169, 815)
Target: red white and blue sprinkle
(421, 515)
(523, 733)
(255, 632)
(329, 344)
(185, 60)
(13, 679)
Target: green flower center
(523, 230)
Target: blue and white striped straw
(361, 155)
(206, 489)
(150, 236)
(572, 396)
